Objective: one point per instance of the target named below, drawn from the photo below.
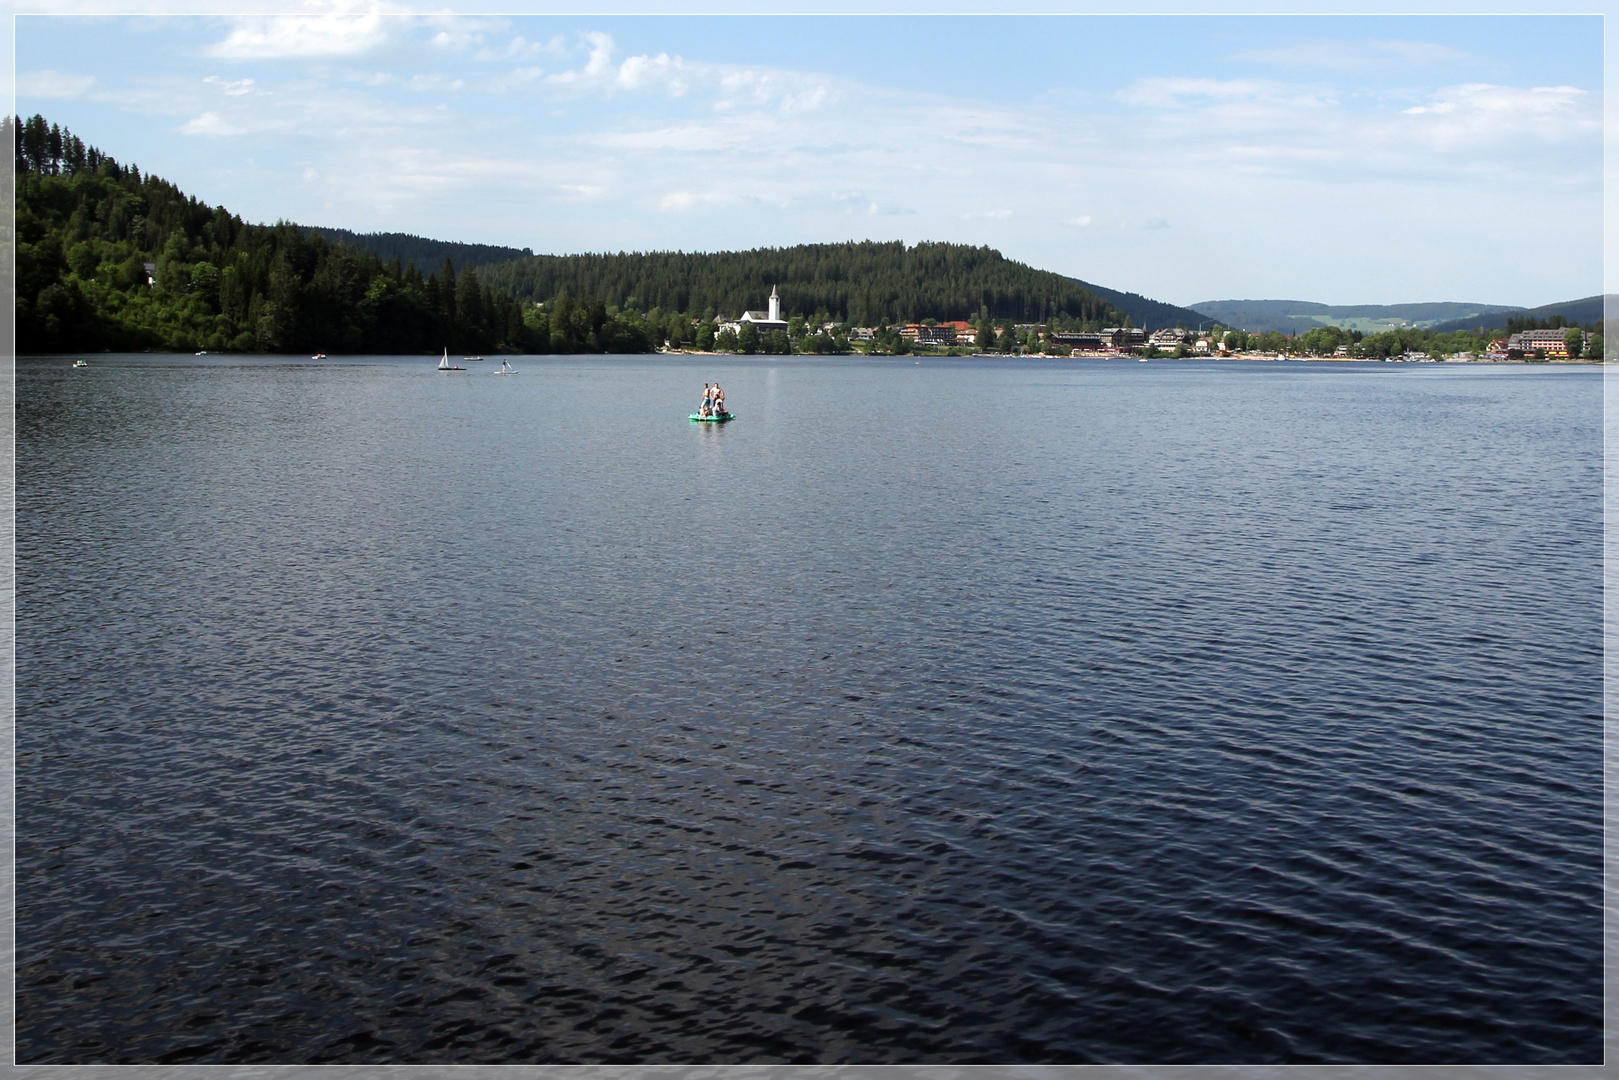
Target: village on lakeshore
(766, 332)
(113, 259)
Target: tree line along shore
(109, 257)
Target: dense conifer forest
(409, 248)
(111, 258)
(865, 283)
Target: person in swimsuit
(708, 396)
(719, 400)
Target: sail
(444, 364)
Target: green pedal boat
(716, 418)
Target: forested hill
(1583, 312)
(108, 257)
(866, 283)
(1299, 316)
(1154, 314)
(408, 248)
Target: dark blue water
(972, 711)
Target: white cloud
(1508, 104)
(601, 150)
(734, 87)
(1273, 129)
(322, 36)
(209, 123)
(52, 84)
(785, 92)
(661, 72)
(598, 69)
(231, 89)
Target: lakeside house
(1551, 342)
(1085, 342)
(923, 334)
(1171, 338)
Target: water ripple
(1027, 713)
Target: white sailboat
(445, 365)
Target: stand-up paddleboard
(717, 418)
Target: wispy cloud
(453, 124)
(1352, 56)
(1171, 92)
(508, 81)
(433, 82)
(520, 48)
(1477, 116)
(231, 89)
(598, 70)
(53, 84)
(209, 123)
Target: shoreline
(1250, 357)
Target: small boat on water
(445, 365)
(317, 356)
(475, 359)
(712, 418)
(81, 363)
(506, 369)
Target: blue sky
(1365, 159)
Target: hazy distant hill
(1587, 310)
(1297, 316)
(1151, 314)
(428, 255)
(866, 282)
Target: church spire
(775, 306)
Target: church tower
(775, 306)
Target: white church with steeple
(765, 321)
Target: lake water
(953, 711)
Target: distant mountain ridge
(1152, 314)
(1586, 310)
(1297, 316)
(427, 255)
